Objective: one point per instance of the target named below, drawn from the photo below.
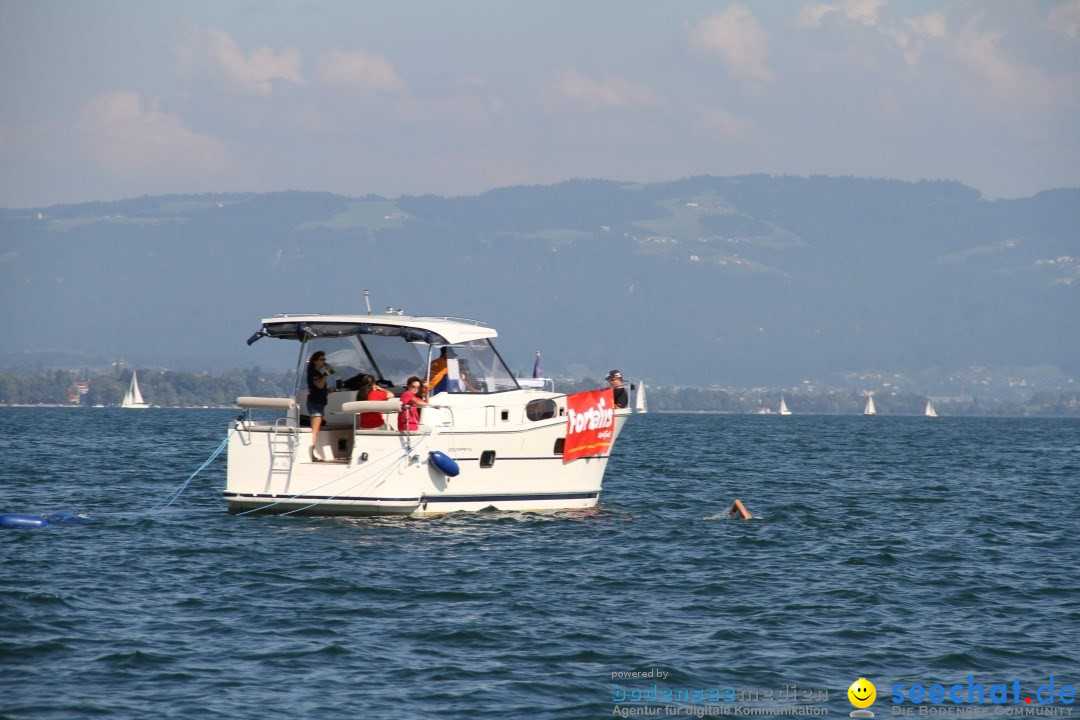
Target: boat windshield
(473, 367)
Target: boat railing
(386, 407)
(545, 384)
(265, 403)
(249, 404)
(451, 318)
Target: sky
(114, 99)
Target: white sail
(870, 410)
(133, 398)
(930, 412)
(783, 407)
(639, 399)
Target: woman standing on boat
(411, 400)
(317, 372)
(370, 391)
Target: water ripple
(895, 550)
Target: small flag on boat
(537, 373)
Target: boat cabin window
(344, 354)
(394, 354)
(541, 410)
(474, 367)
(396, 358)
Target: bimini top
(430, 330)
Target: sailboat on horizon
(783, 407)
(133, 399)
(930, 412)
(640, 405)
(870, 409)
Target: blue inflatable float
(19, 520)
(23, 520)
(445, 463)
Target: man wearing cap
(622, 398)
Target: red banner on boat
(590, 424)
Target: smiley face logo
(862, 693)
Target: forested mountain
(751, 280)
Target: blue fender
(19, 520)
(445, 463)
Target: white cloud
(130, 139)
(931, 25)
(1010, 80)
(1065, 18)
(610, 92)
(864, 12)
(201, 49)
(979, 52)
(359, 72)
(736, 37)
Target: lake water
(907, 551)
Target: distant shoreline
(116, 407)
(651, 412)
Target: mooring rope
(362, 481)
(163, 504)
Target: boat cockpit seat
(333, 417)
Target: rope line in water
(339, 494)
(331, 481)
(167, 501)
(163, 504)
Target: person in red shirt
(368, 390)
(411, 402)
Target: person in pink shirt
(411, 402)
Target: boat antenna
(367, 301)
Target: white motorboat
(486, 441)
(133, 399)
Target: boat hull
(272, 470)
(321, 506)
